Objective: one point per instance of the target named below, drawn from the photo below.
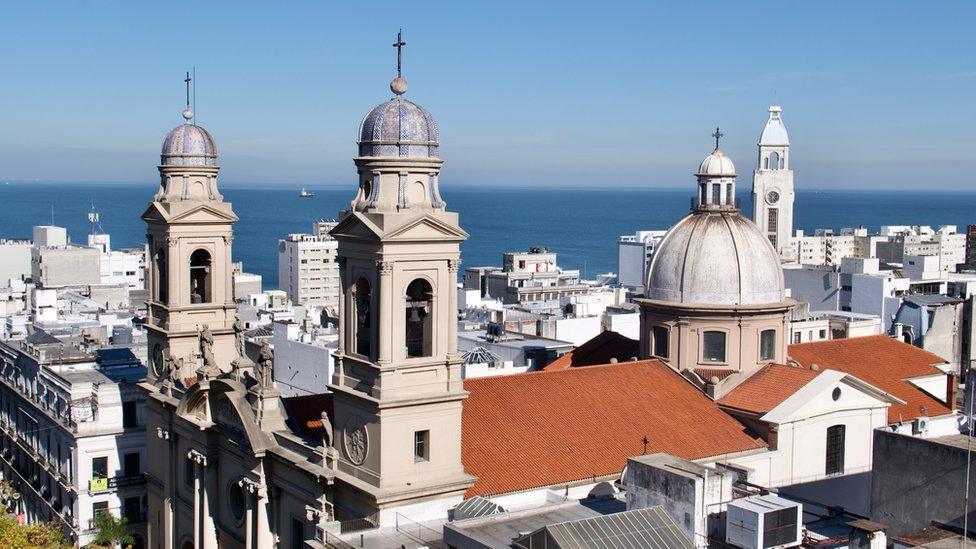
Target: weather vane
(717, 135)
(399, 46)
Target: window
(100, 467)
(713, 346)
(421, 445)
(729, 199)
(797, 337)
(200, 277)
(823, 334)
(237, 501)
(661, 344)
(130, 464)
(297, 533)
(418, 319)
(99, 507)
(129, 414)
(363, 303)
(162, 280)
(767, 345)
(774, 161)
(772, 218)
(835, 449)
(132, 509)
(716, 193)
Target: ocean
(580, 225)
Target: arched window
(201, 277)
(162, 278)
(774, 161)
(767, 345)
(835, 449)
(713, 346)
(418, 319)
(766, 163)
(364, 325)
(661, 344)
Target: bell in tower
(190, 316)
(397, 382)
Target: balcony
(104, 484)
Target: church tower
(772, 186)
(397, 382)
(191, 307)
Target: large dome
(717, 164)
(398, 128)
(189, 145)
(716, 258)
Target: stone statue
(239, 335)
(176, 370)
(327, 427)
(210, 368)
(168, 365)
(265, 365)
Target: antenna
(52, 214)
(93, 219)
(194, 94)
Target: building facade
(634, 255)
(772, 186)
(308, 270)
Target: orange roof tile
(883, 362)
(546, 428)
(767, 388)
(599, 350)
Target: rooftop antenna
(96, 226)
(194, 76)
(52, 214)
(717, 135)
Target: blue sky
(875, 94)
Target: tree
(28, 536)
(111, 530)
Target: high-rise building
(772, 186)
(307, 268)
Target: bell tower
(772, 186)
(397, 382)
(191, 307)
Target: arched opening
(774, 161)
(766, 163)
(362, 295)
(717, 194)
(418, 318)
(201, 277)
(162, 276)
(729, 197)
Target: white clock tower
(772, 186)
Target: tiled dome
(188, 145)
(398, 128)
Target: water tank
(764, 522)
(121, 335)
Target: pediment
(201, 213)
(223, 405)
(427, 228)
(356, 225)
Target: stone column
(452, 308)
(252, 494)
(384, 320)
(197, 496)
(265, 539)
(209, 490)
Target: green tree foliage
(111, 531)
(32, 536)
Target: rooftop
(599, 350)
(768, 388)
(580, 423)
(882, 362)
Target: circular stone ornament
(355, 440)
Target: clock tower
(772, 186)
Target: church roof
(883, 362)
(398, 128)
(768, 388)
(599, 350)
(189, 145)
(589, 422)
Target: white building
(72, 433)
(307, 268)
(50, 236)
(772, 186)
(303, 360)
(634, 254)
(127, 266)
(15, 259)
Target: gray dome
(398, 128)
(716, 258)
(189, 145)
(717, 164)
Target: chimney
(951, 386)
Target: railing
(423, 534)
(332, 540)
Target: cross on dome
(399, 86)
(717, 135)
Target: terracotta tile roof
(545, 428)
(767, 388)
(599, 350)
(708, 373)
(306, 412)
(883, 362)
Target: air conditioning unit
(920, 426)
(764, 522)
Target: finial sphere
(398, 86)
(187, 114)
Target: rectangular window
(421, 445)
(823, 334)
(131, 465)
(797, 337)
(99, 507)
(835, 449)
(767, 345)
(772, 220)
(716, 194)
(713, 348)
(132, 509)
(129, 419)
(661, 345)
(100, 467)
(188, 472)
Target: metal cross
(188, 79)
(717, 135)
(399, 46)
(645, 441)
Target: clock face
(772, 197)
(157, 360)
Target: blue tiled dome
(189, 145)
(398, 128)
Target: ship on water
(305, 193)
